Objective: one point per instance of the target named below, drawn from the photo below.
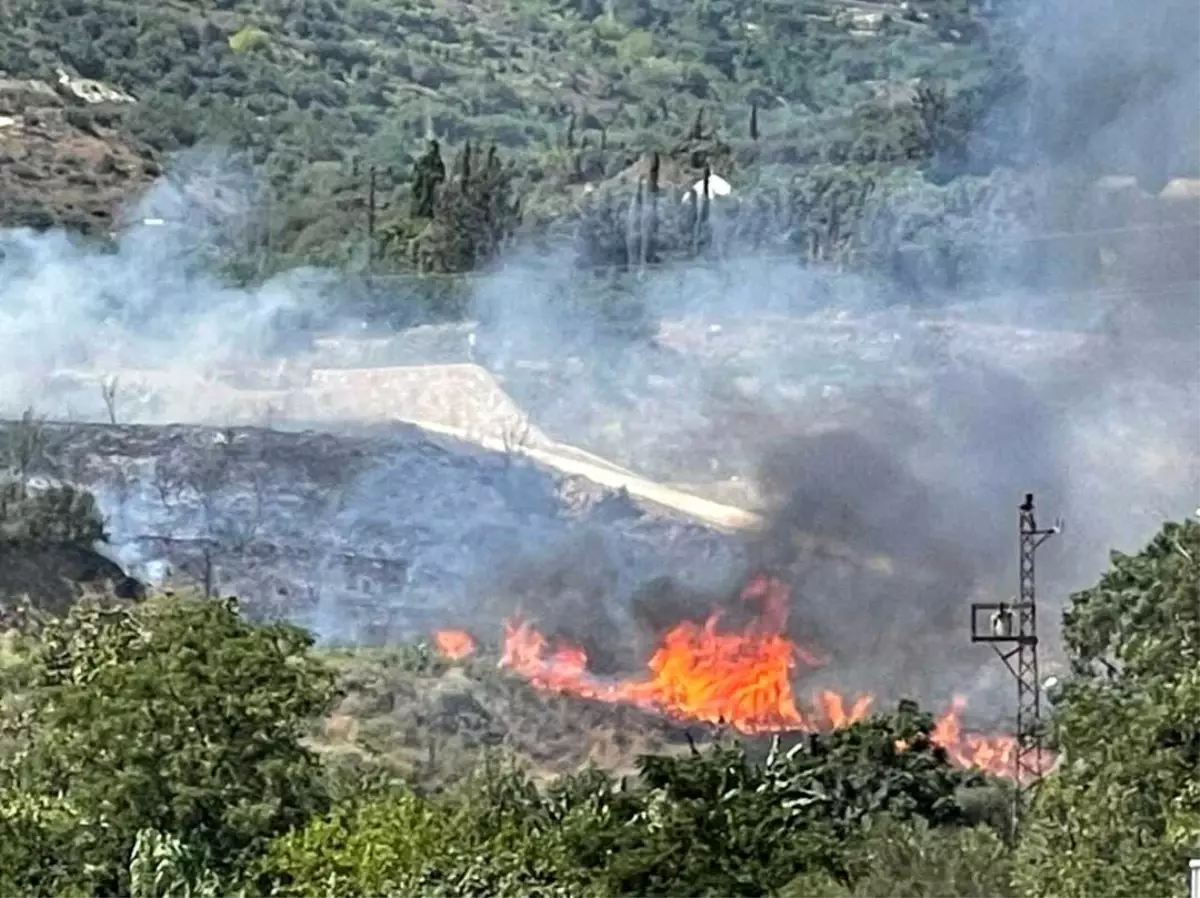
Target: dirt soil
(64, 162)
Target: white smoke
(752, 362)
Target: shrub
(55, 515)
(249, 39)
(176, 716)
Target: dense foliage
(712, 822)
(176, 717)
(819, 112)
(156, 750)
(160, 750)
(1122, 814)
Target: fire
(994, 754)
(743, 679)
(739, 677)
(454, 644)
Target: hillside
(571, 93)
(296, 603)
(365, 539)
(310, 81)
(62, 161)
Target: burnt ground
(381, 538)
(404, 711)
(375, 539)
(65, 164)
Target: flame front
(741, 678)
(454, 644)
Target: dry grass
(409, 713)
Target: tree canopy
(175, 716)
(569, 94)
(713, 822)
(1121, 814)
(168, 747)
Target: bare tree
(240, 526)
(205, 482)
(122, 487)
(268, 416)
(108, 392)
(166, 486)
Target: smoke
(1115, 87)
(149, 301)
(888, 448)
(889, 470)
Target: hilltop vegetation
(314, 81)
(169, 748)
(819, 112)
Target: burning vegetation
(737, 676)
(455, 644)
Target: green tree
(428, 173)
(52, 516)
(914, 860)
(722, 821)
(496, 834)
(176, 716)
(362, 848)
(474, 214)
(1122, 811)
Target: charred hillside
(363, 538)
(384, 537)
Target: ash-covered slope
(368, 538)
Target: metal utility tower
(1011, 628)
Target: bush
(490, 837)
(912, 860)
(175, 716)
(60, 514)
(714, 822)
(371, 849)
(249, 39)
(57, 515)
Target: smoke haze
(150, 301)
(822, 400)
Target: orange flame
(743, 679)
(698, 672)
(454, 644)
(994, 754)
